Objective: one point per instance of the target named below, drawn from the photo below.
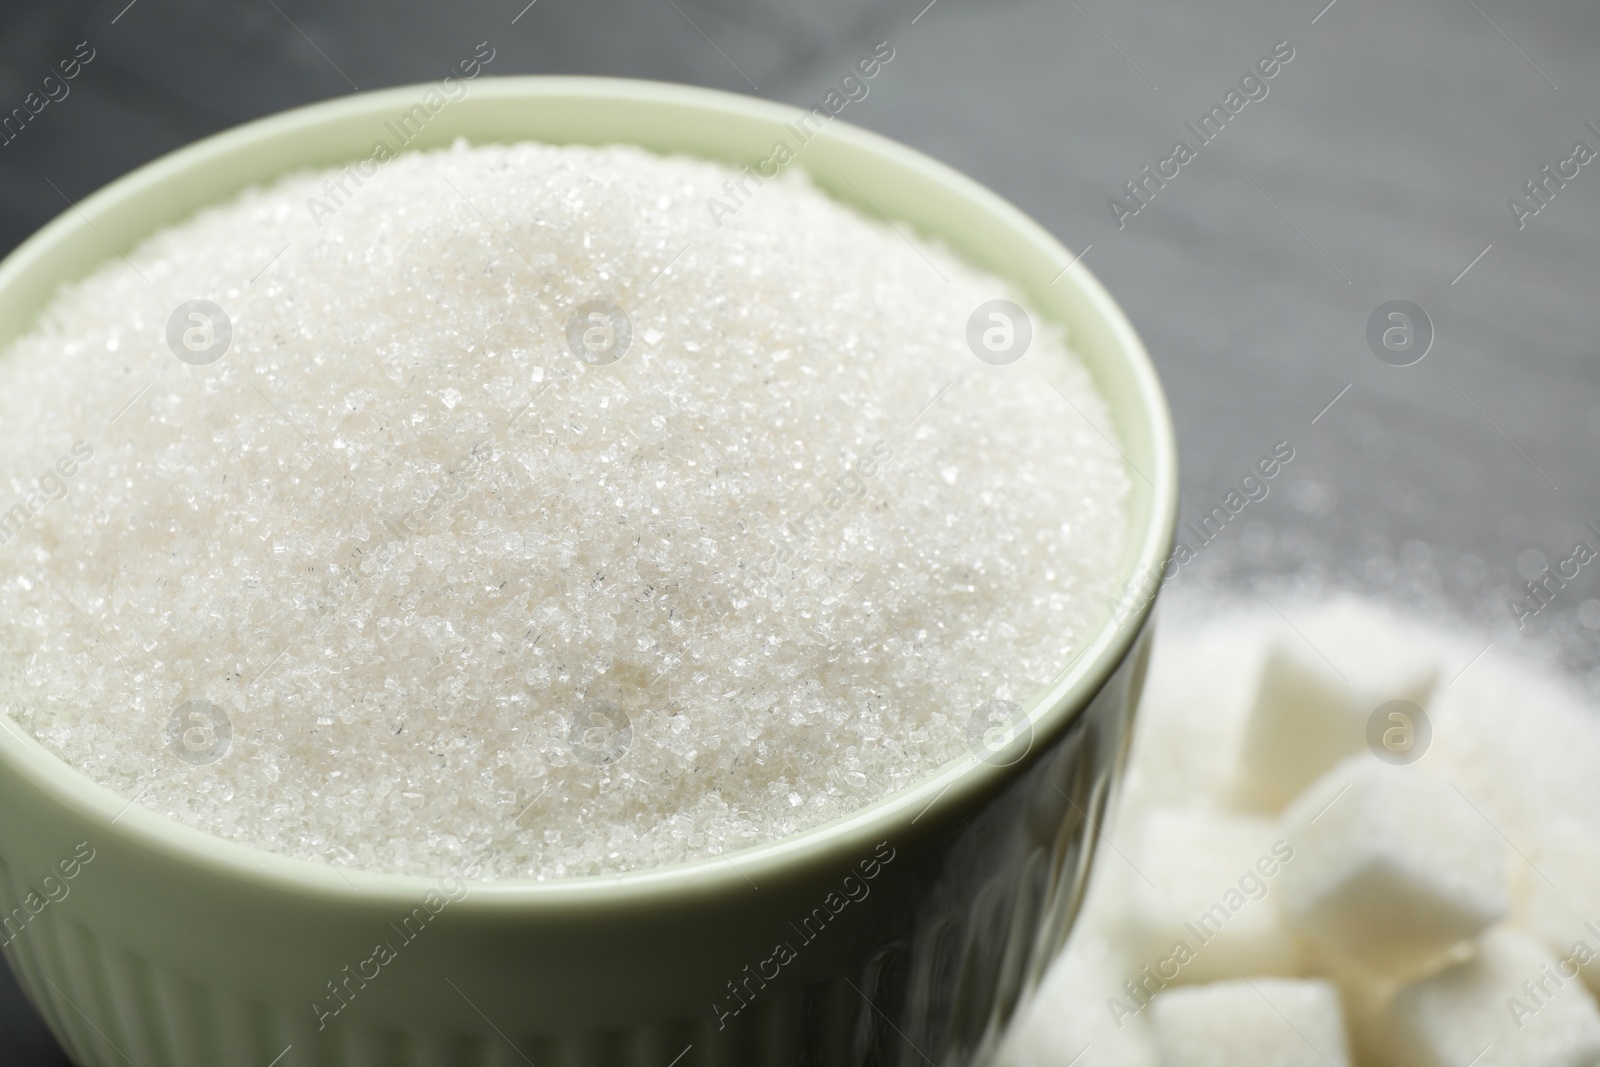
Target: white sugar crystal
(1558, 896)
(1262, 1022)
(1508, 1006)
(430, 571)
(1318, 689)
(1392, 867)
(1208, 883)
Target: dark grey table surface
(1379, 166)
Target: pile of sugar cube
(1346, 837)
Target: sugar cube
(1318, 688)
(1392, 867)
(1203, 901)
(1189, 734)
(1558, 897)
(1082, 1014)
(1520, 740)
(1508, 1006)
(1261, 1022)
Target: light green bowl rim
(64, 250)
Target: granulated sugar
(399, 575)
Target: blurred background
(1381, 165)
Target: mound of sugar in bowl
(511, 498)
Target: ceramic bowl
(906, 933)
